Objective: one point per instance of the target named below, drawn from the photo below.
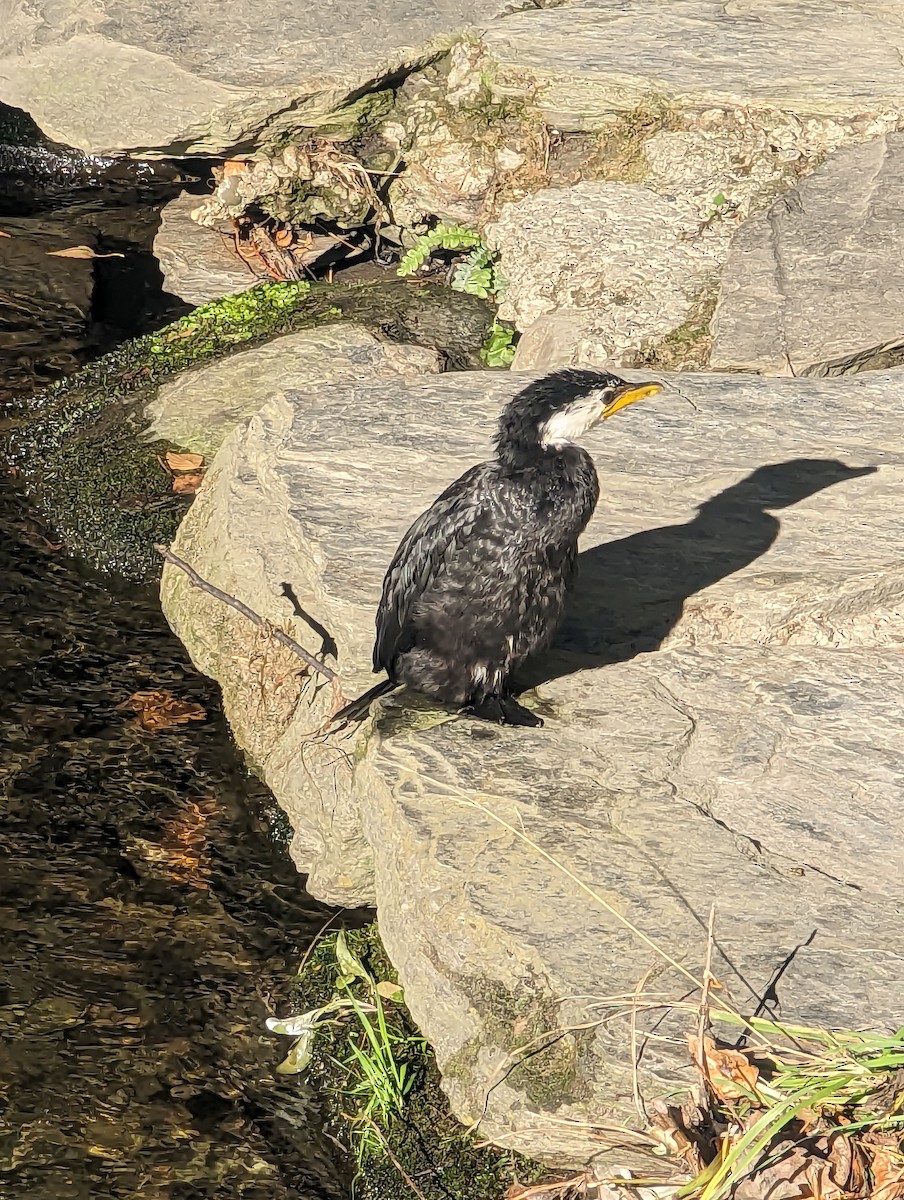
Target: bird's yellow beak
(628, 394)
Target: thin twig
(316, 939)
(283, 638)
(635, 1057)
(576, 1184)
(392, 1158)
(703, 1012)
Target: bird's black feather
(478, 582)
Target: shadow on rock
(630, 593)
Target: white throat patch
(564, 427)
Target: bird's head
(558, 409)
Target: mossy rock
(83, 444)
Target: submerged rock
(816, 282)
(737, 627)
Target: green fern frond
(443, 237)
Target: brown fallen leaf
(887, 1168)
(187, 485)
(784, 1178)
(283, 238)
(730, 1072)
(234, 166)
(155, 710)
(81, 252)
(183, 462)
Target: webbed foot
(504, 710)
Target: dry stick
(703, 1014)
(392, 1158)
(283, 638)
(635, 1057)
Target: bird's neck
(526, 453)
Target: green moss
(82, 443)
(688, 347)
(618, 155)
(525, 1026)
(428, 1142)
(357, 118)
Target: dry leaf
(389, 991)
(183, 462)
(157, 710)
(234, 166)
(283, 238)
(730, 1072)
(187, 485)
(887, 1166)
(81, 252)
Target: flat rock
(581, 63)
(722, 728)
(121, 76)
(199, 408)
(198, 263)
(817, 280)
(617, 255)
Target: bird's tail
(357, 709)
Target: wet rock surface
(96, 465)
(814, 280)
(736, 629)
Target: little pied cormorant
(478, 582)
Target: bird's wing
(431, 542)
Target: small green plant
(442, 237)
(845, 1083)
(499, 349)
(378, 1080)
(376, 1076)
(477, 274)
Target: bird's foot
(504, 710)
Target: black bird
(478, 582)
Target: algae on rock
(83, 442)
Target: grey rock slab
(199, 408)
(816, 280)
(198, 263)
(120, 76)
(722, 727)
(581, 63)
(617, 254)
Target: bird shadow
(630, 594)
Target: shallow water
(150, 919)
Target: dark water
(149, 921)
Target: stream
(151, 919)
